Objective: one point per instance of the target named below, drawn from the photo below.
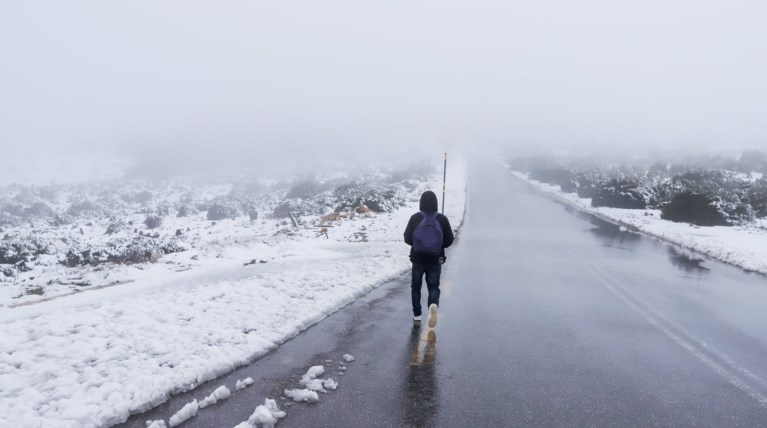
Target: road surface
(549, 317)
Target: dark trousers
(432, 272)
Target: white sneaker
(416, 318)
(432, 315)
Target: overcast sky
(378, 76)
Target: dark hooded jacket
(429, 204)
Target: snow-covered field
(743, 246)
(92, 358)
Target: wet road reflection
(421, 397)
(686, 262)
(614, 236)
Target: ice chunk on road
(313, 384)
(310, 381)
(315, 372)
(348, 358)
(187, 412)
(221, 393)
(266, 416)
(304, 395)
(156, 424)
(330, 384)
(242, 384)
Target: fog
(258, 80)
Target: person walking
(428, 233)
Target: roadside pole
(444, 184)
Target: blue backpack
(428, 237)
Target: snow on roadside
(742, 246)
(93, 360)
(242, 384)
(187, 412)
(266, 416)
(302, 395)
(220, 394)
(310, 381)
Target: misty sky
(374, 76)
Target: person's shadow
(421, 393)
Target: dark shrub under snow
(153, 221)
(223, 210)
(619, 194)
(693, 208)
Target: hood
(429, 202)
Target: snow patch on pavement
(330, 384)
(310, 381)
(187, 412)
(302, 395)
(242, 384)
(220, 394)
(265, 416)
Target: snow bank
(742, 246)
(94, 358)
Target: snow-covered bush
(695, 208)
(114, 227)
(620, 194)
(298, 207)
(7, 272)
(134, 250)
(153, 221)
(727, 191)
(224, 209)
(378, 199)
(18, 249)
(187, 211)
(588, 183)
(84, 208)
(757, 196)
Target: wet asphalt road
(549, 317)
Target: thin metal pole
(444, 184)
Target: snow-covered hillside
(61, 239)
(235, 289)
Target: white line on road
(666, 327)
